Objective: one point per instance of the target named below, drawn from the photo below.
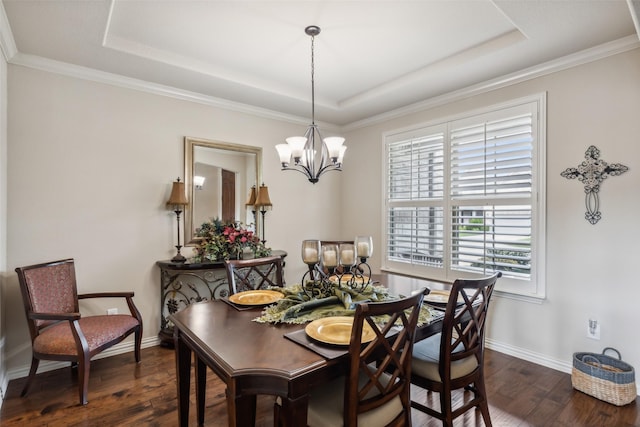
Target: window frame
(534, 288)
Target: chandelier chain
(313, 97)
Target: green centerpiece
(217, 241)
(297, 307)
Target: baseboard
(50, 365)
(539, 359)
(530, 356)
(520, 353)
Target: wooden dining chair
(453, 359)
(59, 332)
(376, 390)
(251, 274)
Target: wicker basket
(604, 377)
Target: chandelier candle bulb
(334, 144)
(284, 151)
(297, 144)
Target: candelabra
(332, 264)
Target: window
(464, 198)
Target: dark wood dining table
(255, 358)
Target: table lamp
(177, 201)
(263, 203)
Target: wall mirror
(218, 178)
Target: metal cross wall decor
(591, 173)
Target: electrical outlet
(593, 329)
(112, 311)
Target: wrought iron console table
(185, 283)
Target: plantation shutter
(490, 191)
(416, 188)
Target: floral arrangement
(217, 241)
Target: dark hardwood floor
(122, 393)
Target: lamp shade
(178, 196)
(263, 199)
(252, 197)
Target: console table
(185, 283)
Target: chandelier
(300, 153)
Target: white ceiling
(371, 57)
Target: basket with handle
(604, 377)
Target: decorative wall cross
(591, 173)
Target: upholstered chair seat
(97, 330)
(426, 360)
(326, 405)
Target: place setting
(252, 299)
(329, 336)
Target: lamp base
(179, 257)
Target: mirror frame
(190, 144)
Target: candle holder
(332, 265)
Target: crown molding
(579, 58)
(31, 61)
(634, 9)
(91, 74)
(7, 43)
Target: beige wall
(92, 165)
(591, 269)
(91, 169)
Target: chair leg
(32, 373)
(138, 344)
(484, 404)
(445, 408)
(84, 363)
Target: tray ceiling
(371, 56)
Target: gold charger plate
(440, 297)
(336, 330)
(257, 297)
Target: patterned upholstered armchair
(59, 332)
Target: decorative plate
(440, 297)
(257, 297)
(336, 330)
(437, 297)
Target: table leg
(294, 411)
(201, 385)
(183, 379)
(241, 409)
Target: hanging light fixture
(300, 153)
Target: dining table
(254, 358)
